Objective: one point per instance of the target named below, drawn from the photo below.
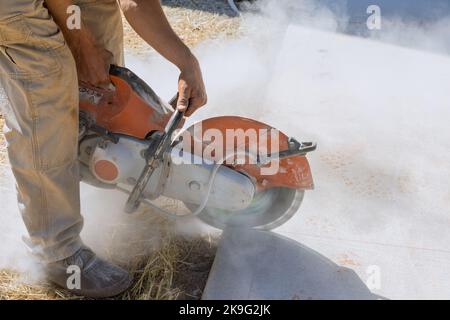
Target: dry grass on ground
(180, 266)
(177, 270)
(193, 20)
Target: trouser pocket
(39, 77)
(30, 44)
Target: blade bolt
(194, 186)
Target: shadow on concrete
(213, 6)
(252, 264)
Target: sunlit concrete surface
(380, 116)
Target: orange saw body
(125, 110)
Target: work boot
(87, 275)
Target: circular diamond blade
(268, 210)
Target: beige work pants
(38, 74)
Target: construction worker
(42, 60)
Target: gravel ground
(193, 20)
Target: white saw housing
(118, 165)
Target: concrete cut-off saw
(227, 170)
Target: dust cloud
(378, 107)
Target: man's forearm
(148, 19)
(75, 38)
(58, 10)
(92, 60)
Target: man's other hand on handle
(148, 20)
(191, 89)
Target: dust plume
(377, 105)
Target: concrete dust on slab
(379, 113)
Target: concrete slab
(252, 264)
(380, 116)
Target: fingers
(95, 77)
(101, 80)
(189, 102)
(195, 103)
(183, 98)
(191, 90)
(108, 57)
(93, 67)
(104, 81)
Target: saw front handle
(154, 155)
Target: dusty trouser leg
(39, 77)
(104, 20)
